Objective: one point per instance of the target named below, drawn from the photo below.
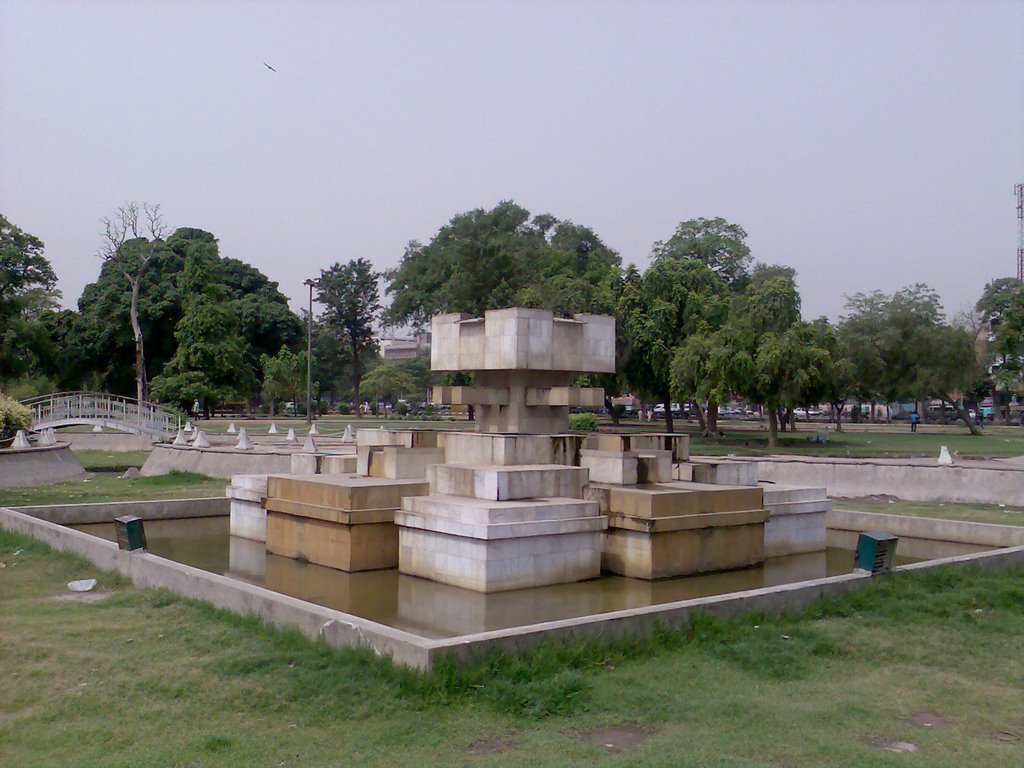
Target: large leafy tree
(209, 363)
(28, 298)
(503, 257)
(284, 376)
(721, 247)
(351, 301)
(716, 243)
(389, 380)
(131, 238)
(102, 330)
(900, 347)
(672, 300)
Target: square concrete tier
(724, 471)
(679, 445)
(407, 438)
(486, 512)
(248, 518)
(344, 492)
(798, 520)
(343, 522)
(522, 339)
(673, 499)
(510, 449)
(716, 547)
(506, 483)
(397, 462)
(627, 468)
(363, 547)
(500, 564)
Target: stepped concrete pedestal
(340, 521)
(495, 528)
(679, 528)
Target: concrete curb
(106, 511)
(344, 630)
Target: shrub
(583, 422)
(343, 409)
(13, 416)
(402, 409)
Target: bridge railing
(100, 406)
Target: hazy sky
(867, 144)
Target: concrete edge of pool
(345, 630)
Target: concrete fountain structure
(522, 502)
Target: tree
(659, 309)
(836, 374)
(102, 333)
(721, 247)
(28, 295)
(351, 303)
(714, 242)
(130, 240)
(1002, 307)
(503, 257)
(949, 366)
(284, 376)
(209, 364)
(390, 381)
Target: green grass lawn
(142, 678)
(109, 486)
(110, 461)
(881, 441)
(974, 513)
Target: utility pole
(309, 354)
(1018, 190)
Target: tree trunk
(611, 410)
(700, 416)
(837, 412)
(140, 357)
(357, 378)
(667, 400)
(871, 416)
(712, 416)
(962, 413)
(773, 428)
(792, 419)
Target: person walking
(914, 419)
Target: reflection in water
(435, 610)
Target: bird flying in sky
(269, 67)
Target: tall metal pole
(309, 356)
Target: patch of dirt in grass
(496, 745)
(615, 738)
(896, 746)
(929, 720)
(81, 597)
(1010, 735)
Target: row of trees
(701, 323)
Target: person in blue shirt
(914, 419)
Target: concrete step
(504, 483)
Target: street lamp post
(309, 355)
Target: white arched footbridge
(124, 414)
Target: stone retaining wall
(981, 483)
